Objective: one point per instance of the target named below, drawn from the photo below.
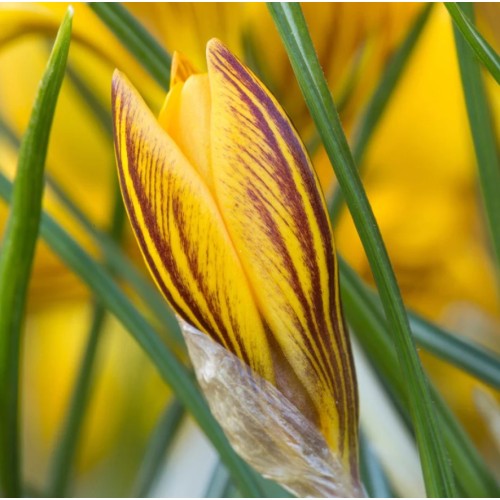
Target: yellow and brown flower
(231, 221)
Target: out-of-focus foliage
(419, 173)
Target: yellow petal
(186, 118)
(181, 233)
(273, 210)
(181, 69)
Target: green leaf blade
(65, 452)
(158, 446)
(481, 126)
(295, 36)
(18, 250)
(137, 39)
(461, 352)
(484, 52)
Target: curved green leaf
(18, 249)
(136, 38)
(484, 52)
(481, 126)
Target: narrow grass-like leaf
(173, 372)
(66, 448)
(219, 482)
(372, 473)
(481, 126)
(484, 52)
(17, 252)
(367, 319)
(314, 142)
(157, 448)
(136, 38)
(378, 102)
(67, 444)
(121, 265)
(102, 115)
(459, 351)
(293, 30)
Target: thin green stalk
(136, 38)
(120, 264)
(66, 449)
(102, 114)
(459, 351)
(481, 126)
(314, 142)
(64, 455)
(293, 30)
(219, 482)
(372, 473)
(481, 48)
(157, 448)
(18, 250)
(366, 318)
(378, 103)
(172, 371)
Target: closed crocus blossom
(231, 221)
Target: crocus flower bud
(231, 221)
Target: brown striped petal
(231, 221)
(276, 217)
(181, 233)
